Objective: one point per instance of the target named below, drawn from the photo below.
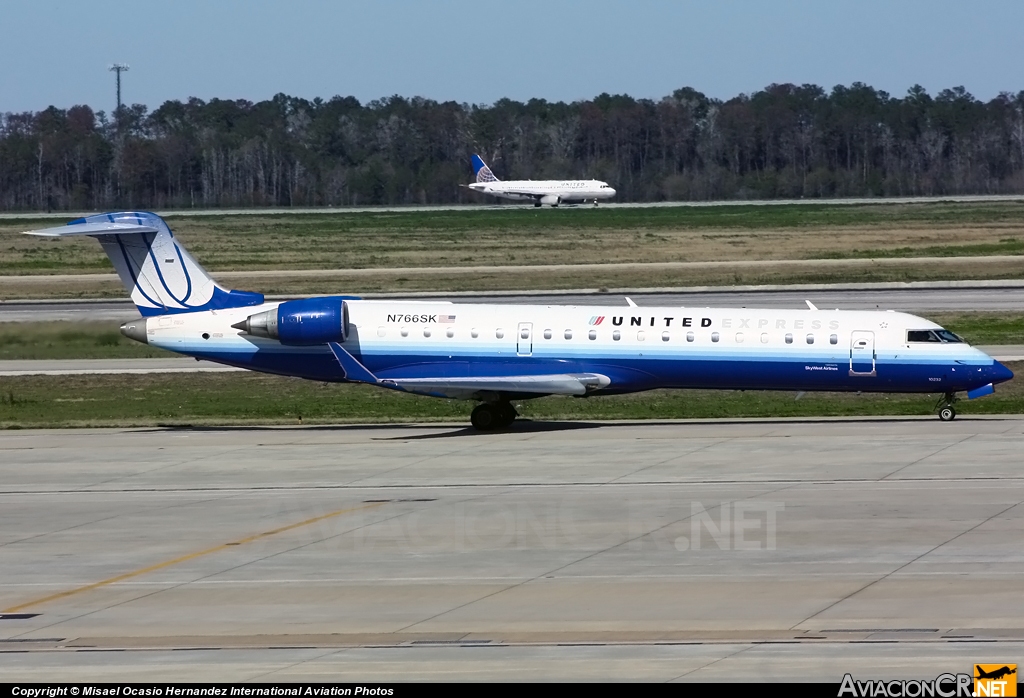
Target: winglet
(810, 305)
(980, 392)
(354, 371)
(630, 303)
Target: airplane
(550, 192)
(995, 674)
(495, 354)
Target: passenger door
(524, 339)
(862, 353)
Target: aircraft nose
(611, 192)
(1000, 373)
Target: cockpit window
(947, 336)
(934, 336)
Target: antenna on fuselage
(810, 305)
(629, 301)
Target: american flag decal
(597, 320)
(446, 318)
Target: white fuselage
(637, 347)
(551, 192)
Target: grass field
(372, 251)
(103, 340)
(518, 235)
(71, 340)
(227, 399)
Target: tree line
(785, 141)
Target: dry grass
(519, 237)
(634, 277)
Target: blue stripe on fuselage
(629, 374)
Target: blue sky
(57, 52)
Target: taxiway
(747, 550)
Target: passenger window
(499, 333)
(640, 336)
(764, 338)
(525, 334)
(789, 338)
(405, 331)
(810, 339)
(547, 334)
(616, 335)
(426, 332)
(592, 334)
(568, 334)
(382, 331)
(739, 338)
(714, 336)
(450, 333)
(664, 336)
(474, 333)
(833, 339)
(689, 336)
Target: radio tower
(119, 68)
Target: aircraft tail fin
(161, 276)
(482, 171)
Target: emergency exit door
(524, 339)
(862, 353)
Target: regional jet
(497, 354)
(550, 192)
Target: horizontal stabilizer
(102, 228)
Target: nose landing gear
(945, 405)
(488, 416)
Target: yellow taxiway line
(183, 558)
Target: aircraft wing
(475, 387)
(480, 388)
(534, 194)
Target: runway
(1005, 296)
(184, 213)
(750, 550)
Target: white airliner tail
(160, 274)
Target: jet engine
(305, 322)
(551, 199)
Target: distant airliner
(495, 354)
(550, 192)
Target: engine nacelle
(551, 199)
(305, 322)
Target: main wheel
(508, 414)
(947, 413)
(486, 417)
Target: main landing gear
(488, 416)
(945, 405)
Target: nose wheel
(947, 411)
(489, 416)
